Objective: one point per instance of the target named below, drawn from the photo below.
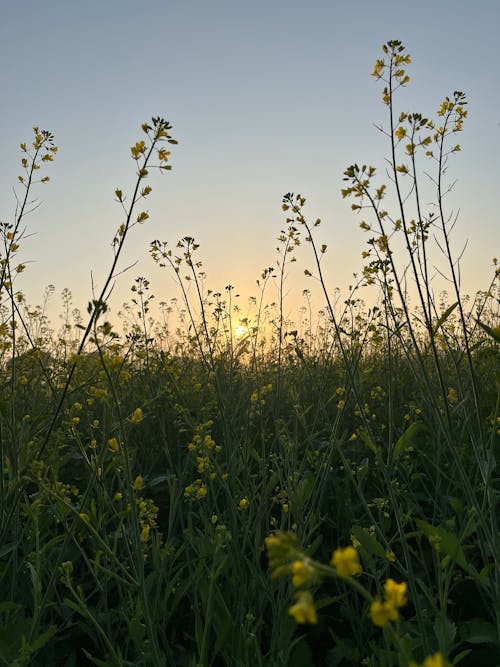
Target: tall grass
(145, 467)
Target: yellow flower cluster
(196, 490)
(285, 557)
(206, 449)
(386, 610)
(304, 611)
(346, 562)
(303, 572)
(148, 513)
(257, 399)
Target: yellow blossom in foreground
(303, 572)
(382, 612)
(346, 562)
(435, 660)
(304, 611)
(243, 504)
(395, 593)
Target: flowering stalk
(286, 558)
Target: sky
(265, 97)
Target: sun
(239, 331)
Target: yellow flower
(304, 611)
(303, 572)
(136, 416)
(273, 542)
(138, 483)
(145, 533)
(346, 562)
(243, 504)
(378, 69)
(138, 150)
(435, 660)
(395, 593)
(382, 612)
(113, 444)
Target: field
(252, 491)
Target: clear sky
(265, 97)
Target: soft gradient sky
(265, 97)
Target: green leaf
(369, 544)
(7, 548)
(484, 574)
(446, 543)
(367, 440)
(445, 632)
(478, 631)
(42, 639)
(494, 333)
(9, 606)
(301, 655)
(72, 605)
(406, 439)
(137, 630)
(444, 317)
(460, 656)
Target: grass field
(254, 492)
